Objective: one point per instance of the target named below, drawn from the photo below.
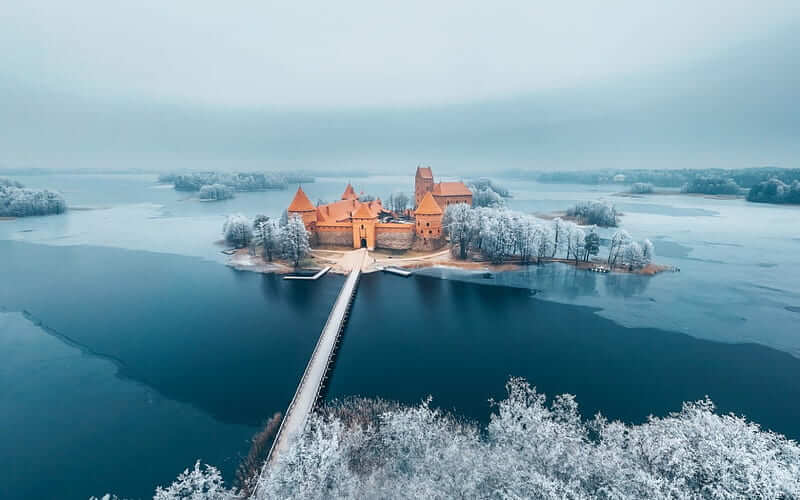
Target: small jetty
(316, 276)
(397, 271)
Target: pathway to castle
(316, 373)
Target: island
(445, 228)
(18, 201)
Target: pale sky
(462, 85)
(262, 54)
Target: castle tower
(429, 220)
(349, 193)
(423, 183)
(364, 227)
(303, 208)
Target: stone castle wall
(335, 235)
(425, 244)
(394, 238)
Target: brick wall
(394, 239)
(335, 237)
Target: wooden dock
(316, 276)
(394, 270)
(311, 384)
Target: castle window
(430, 232)
(428, 224)
(362, 226)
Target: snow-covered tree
(559, 230)
(648, 251)
(617, 245)
(531, 449)
(215, 192)
(486, 197)
(197, 484)
(294, 240)
(576, 241)
(591, 245)
(268, 236)
(18, 201)
(237, 230)
(461, 224)
(594, 212)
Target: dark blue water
(459, 342)
(223, 349)
(203, 354)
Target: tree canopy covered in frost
(500, 235)
(238, 181)
(294, 240)
(530, 449)
(486, 197)
(18, 201)
(711, 185)
(237, 230)
(215, 192)
(641, 188)
(484, 183)
(594, 212)
(267, 236)
(775, 191)
(288, 239)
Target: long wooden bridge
(312, 383)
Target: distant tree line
(597, 213)
(500, 234)
(487, 193)
(286, 237)
(238, 181)
(641, 188)
(18, 201)
(484, 183)
(775, 191)
(711, 185)
(215, 192)
(744, 177)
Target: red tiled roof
(349, 193)
(428, 206)
(363, 212)
(451, 189)
(301, 203)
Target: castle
(367, 224)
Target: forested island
(712, 185)
(675, 178)
(775, 191)
(18, 201)
(236, 181)
(762, 184)
(596, 213)
(501, 235)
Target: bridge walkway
(313, 380)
